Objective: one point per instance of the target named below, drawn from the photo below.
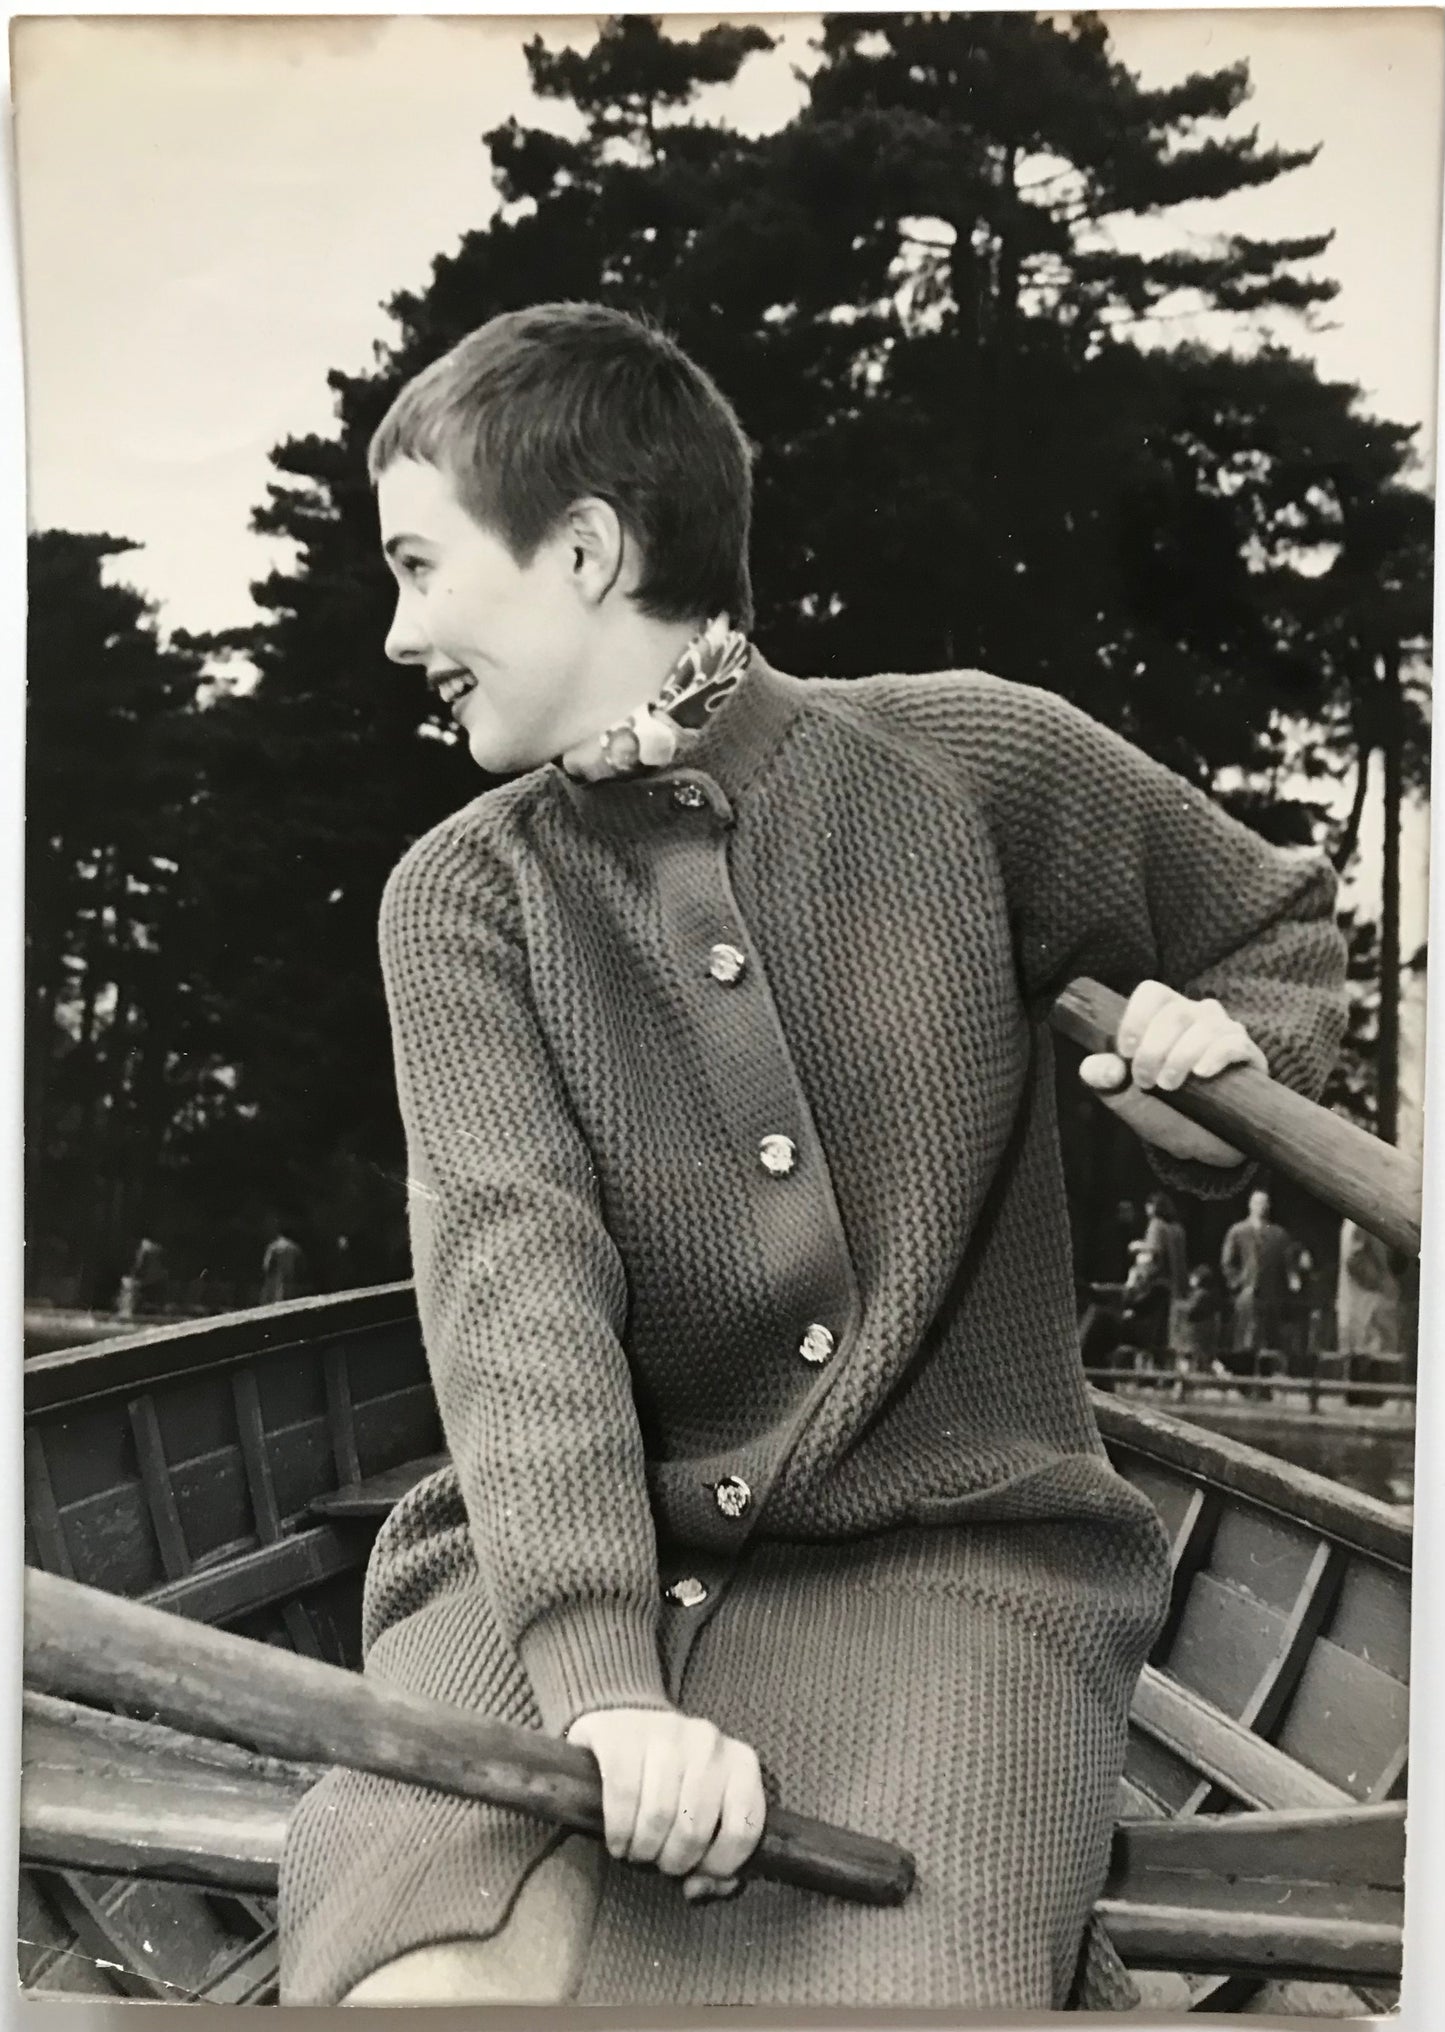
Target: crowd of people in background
(150, 1289)
(1258, 1312)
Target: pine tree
(107, 782)
(972, 449)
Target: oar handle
(83, 1644)
(1341, 1164)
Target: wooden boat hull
(235, 1471)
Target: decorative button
(817, 1344)
(689, 796)
(725, 963)
(732, 1495)
(688, 1594)
(779, 1154)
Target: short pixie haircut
(542, 407)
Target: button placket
(749, 1059)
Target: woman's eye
(416, 567)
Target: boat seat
(378, 1494)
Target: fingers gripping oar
(86, 1645)
(1342, 1165)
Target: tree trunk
(1349, 838)
(1392, 746)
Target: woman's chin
(495, 754)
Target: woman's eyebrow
(395, 544)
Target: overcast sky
(213, 211)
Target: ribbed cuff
(591, 1654)
(1200, 1181)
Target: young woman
(740, 1238)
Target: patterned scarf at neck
(702, 677)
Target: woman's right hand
(676, 1792)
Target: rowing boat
(235, 1471)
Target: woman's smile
(451, 686)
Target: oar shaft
(86, 1645)
(1341, 1164)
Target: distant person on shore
(283, 1269)
(1257, 1259)
(149, 1277)
(1166, 1241)
(1198, 1332)
(1123, 1241)
(1367, 1309)
(343, 1265)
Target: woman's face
(503, 643)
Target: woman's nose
(404, 640)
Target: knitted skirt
(960, 1689)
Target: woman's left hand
(1164, 1039)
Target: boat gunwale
(62, 1379)
(1361, 1523)
(65, 1378)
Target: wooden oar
(1342, 1165)
(83, 1644)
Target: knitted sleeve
(520, 1289)
(1117, 868)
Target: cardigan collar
(722, 757)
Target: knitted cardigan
(737, 1210)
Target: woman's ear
(597, 548)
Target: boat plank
(61, 1966)
(1347, 1846)
(1347, 1720)
(254, 1977)
(378, 1494)
(255, 1457)
(1263, 1555)
(213, 1502)
(1252, 1771)
(1159, 1771)
(299, 1629)
(72, 1735)
(1243, 1471)
(291, 1391)
(393, 1429)
(256, 1579)
(101, 1938)
(1316, 1600)
(381, 1364)
(1168, 1490)
(195, 1416)
(292, 1331)
(156, 1486)
(47, 1528)
(35, 1927)
(1197, 1939)
(91, 1450)
(184, 1832)
(112, 1542)
(340, 1414)
(1189, 1550)
(302, 1464)
(1372, 1618)
(1224, 1642)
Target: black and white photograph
(727, 820)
